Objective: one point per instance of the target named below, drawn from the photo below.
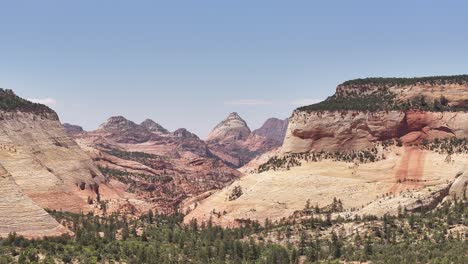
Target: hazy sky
(190, 63)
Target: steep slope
(42, 167)
(18, 213)
(159, 167)
(233, 142)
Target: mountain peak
(10, 102)
(273, 129)
(233, 127)
(125, 131)
(184, 133)
(116, 122)
(154, 127)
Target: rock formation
(233, 128)
(233, 142)
(157, 166)
(41, 167)
(372, 110)
(377, 144)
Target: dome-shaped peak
(231, 128)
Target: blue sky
(190, 63)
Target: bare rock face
(341, 130)
(154, 127)
(20, 214)
(234, 143)
(160, 168)
(41, 167)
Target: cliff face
(340, 130)
(46, 163)
(357, 130)
(363, 112)
(40, 167)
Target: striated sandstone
(20, 214)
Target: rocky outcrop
(233, 142)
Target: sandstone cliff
(41, 167)
(366, 111)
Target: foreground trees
(429, 237)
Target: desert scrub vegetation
(135, 180)
(9, 101)
(388, 82)
(451, 145)
(150, 160)
(380, 101)
(295, 159)
(374, 94)
(236, 193)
